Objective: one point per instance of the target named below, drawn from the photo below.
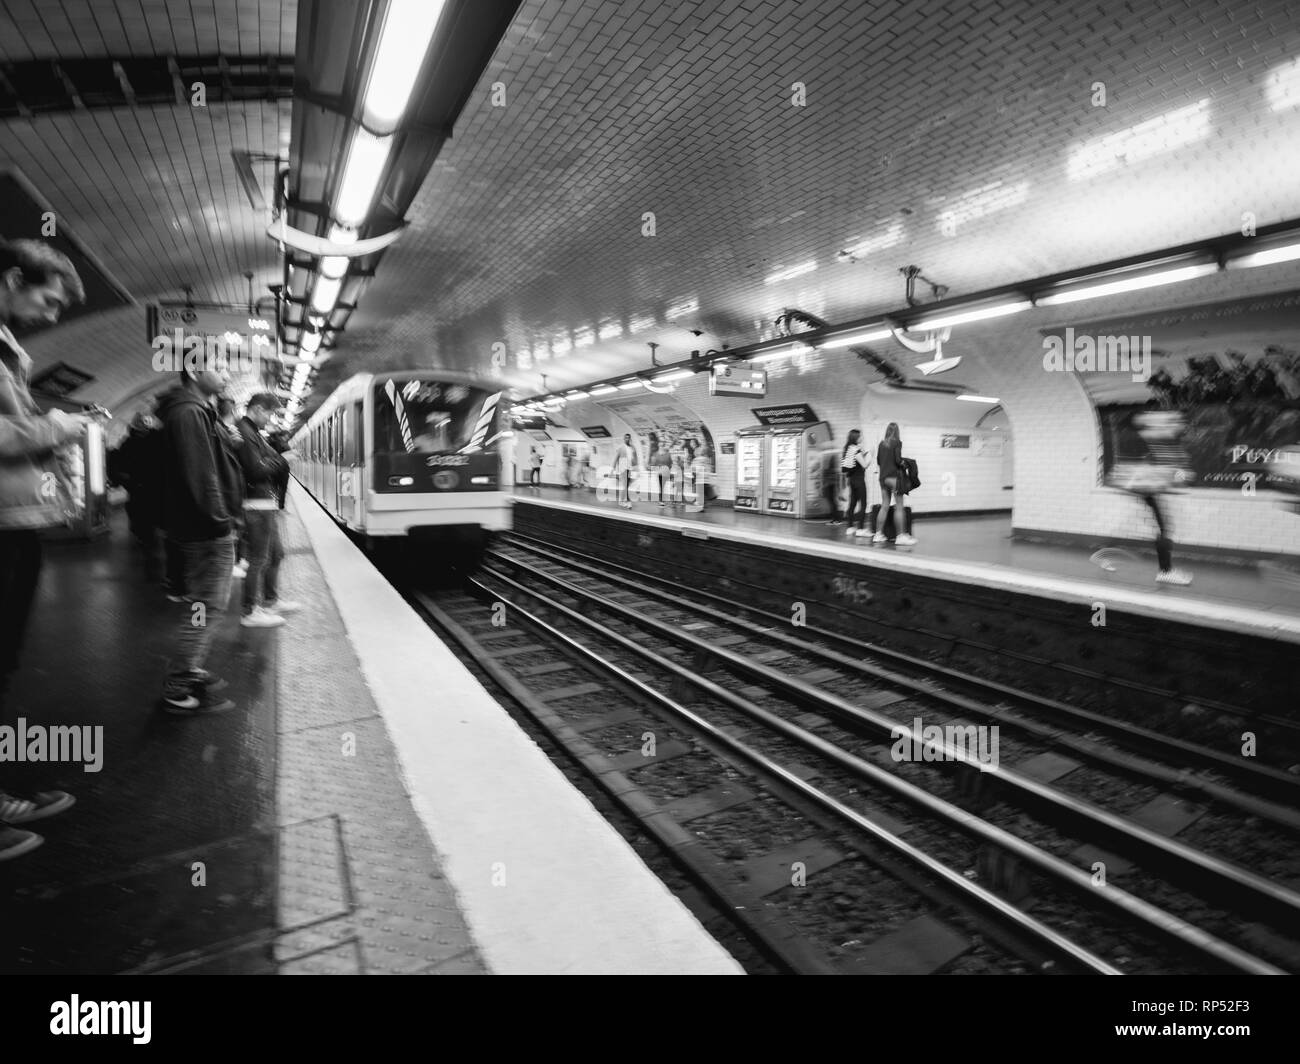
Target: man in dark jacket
(202, 503)
(136, 465)
(263, 469)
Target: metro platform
(980, 550)
(366, 808)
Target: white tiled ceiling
(77, 29)
(530, 223)
(151, 190)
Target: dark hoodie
(202, 486)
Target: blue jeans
(265, 552)
(207, 582)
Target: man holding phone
(37, 284)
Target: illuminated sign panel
(181, 336)
(738, 380)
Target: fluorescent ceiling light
(769, 356)
(681, 309)
(856, 338)
(793, 271)
(584, 338)
(645, 321)
(675, 375)
(309, 342)
(611, 330)
(337, 265)
(977, 399)
(403, 44)
(1283, 86)
(959, 317)
(629, 385)
(1142, 141)
(325, 294)
(356, 192)
(604, 389)
(577, 393)
(1285, 253)
(1127, 284)
(562, 346)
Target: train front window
(431, 417)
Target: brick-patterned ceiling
(529, 227)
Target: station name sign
(183, 336)
(795, 414)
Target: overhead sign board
(794, 414)
(183, 336)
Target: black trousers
(1164, 546)
(20, 568)
(857, 500)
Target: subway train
(414, 454)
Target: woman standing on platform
(661, 464)
(889, 457)
(853, 463)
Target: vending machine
(795, 468)
(751, 463)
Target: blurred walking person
(37, 284)
(1163, 465)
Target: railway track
(764, 738)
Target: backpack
(910, 472)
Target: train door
(329, 480)
(348, 467)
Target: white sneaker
(879, 537)
(851, 531)
(862, 533)
(904, 540)
(1174, 576)
(283, 606)
(260, 618)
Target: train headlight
(400, 482)
(480, 480)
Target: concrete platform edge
(545, 884)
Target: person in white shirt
(625, 460)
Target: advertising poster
(1232, 369)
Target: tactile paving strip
(361, 888)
